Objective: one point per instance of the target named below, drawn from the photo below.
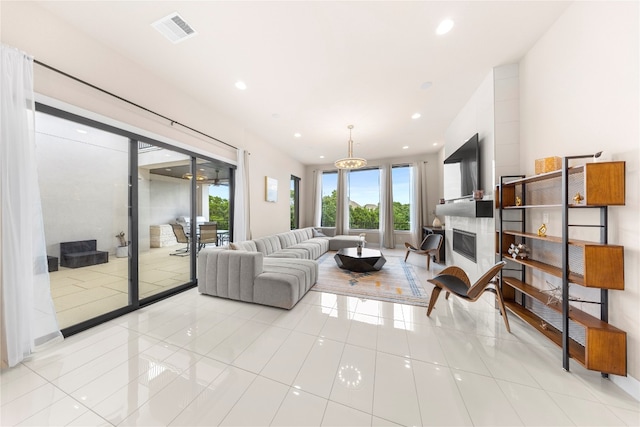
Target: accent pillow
(318, 233)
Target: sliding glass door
(124, 216)
(84, 186)
(164, 219)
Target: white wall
(476, 116)
(83, 184)
(579, 95)
(28, 27)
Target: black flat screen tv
(462, 171)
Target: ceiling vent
(174, 28)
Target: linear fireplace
(464, 243)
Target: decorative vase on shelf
(436, 222)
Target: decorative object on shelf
(542, 231)
(543, 325)
(442, 201)
(478, 194)
(518, 201)
(518, 251)
(121, 239)
(578, 198)
(361, 243)
(270, 189)
(548, 164)
(437, 222)
(122, 251)
(350, 162)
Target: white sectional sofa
(274, 270)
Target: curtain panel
(28, 314)
(387, 225)
(242, 208)
(418, 202)
(316, 198)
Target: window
(329, 198)
(218, 191)
(364, 199)
(401, 176)
(294, 200)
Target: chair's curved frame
(474, 292)
(181, 237)
(426, 248)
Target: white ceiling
(320, 66)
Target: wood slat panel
(605, 184)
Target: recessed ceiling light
(444, 27)
(322, 157)
(426, 85)
(82, 131)
(435, 143)
(415, 116)
(405, 147)
(241, 85)
(297, 135)
(202, 169)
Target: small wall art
(270, 189)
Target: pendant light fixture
(350, 162)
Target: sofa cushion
(298, 253)
(247, 245)
(339, 242)
(313, 248)
(228, 274)
(268, 245)
(303, 234)
(284, 281)
(318, 233)
(287, 239)
(322, 241)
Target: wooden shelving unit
(603, 347)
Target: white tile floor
(331, 360)
(83, 293)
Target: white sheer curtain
(387, 226)
(28, 315)
(241, 217)
(316, 201)
(418, 201)
(342, 205)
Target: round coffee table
(368, 260)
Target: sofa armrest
(228, 274)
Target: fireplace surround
(464, 243)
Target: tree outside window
(294, 202)
(219, 205)
(364, 199)
(401, 183)
(329, 198)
